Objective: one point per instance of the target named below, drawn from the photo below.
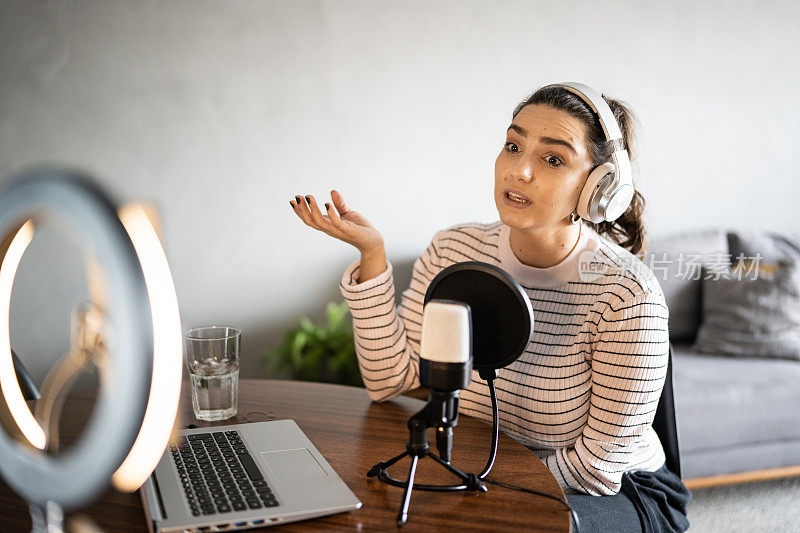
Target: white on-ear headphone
(609, 188)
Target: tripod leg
(402, 516)
(378, 468)
(471, 481)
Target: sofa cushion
(771, 246)
(724, 403)
(675, 260)
(751, 312)
(745, 458)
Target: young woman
(584, 393)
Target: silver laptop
(242, 476)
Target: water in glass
(215, 385)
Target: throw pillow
(751, 309)
(770, 246)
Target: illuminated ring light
(137, 402)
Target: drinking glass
(212, 357)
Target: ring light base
(47, 519)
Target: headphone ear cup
(596, 184)
(618, 203)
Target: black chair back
(665, 422)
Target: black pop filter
(502, 316)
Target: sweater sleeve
(387, 338)
(629, 365)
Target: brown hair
(628, 230)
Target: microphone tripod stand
(441, 412)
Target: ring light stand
(134, 306)
(502, 327)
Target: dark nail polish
(308, 199)
(291, 204)
(297, 199)
(328, 207)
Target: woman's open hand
(339, 222)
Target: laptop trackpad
(289, 465)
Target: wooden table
(353, 434)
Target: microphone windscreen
(446, 332)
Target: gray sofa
(736, 413)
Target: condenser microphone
(445, 365)
(446, 345)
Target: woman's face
(541, 169)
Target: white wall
(220, 112)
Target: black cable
(572, 513)
(493, 454)
(495, 431)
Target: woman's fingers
(316, 216)
(296, 207)
(302, 211)
(334, 217)
(306, 208)
(338, 202)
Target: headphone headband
(600, 107)
(609, 188)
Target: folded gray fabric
(755, 316)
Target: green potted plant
(311, 352)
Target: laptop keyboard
(219, 475)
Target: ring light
(8, 384)
(137, 401)
(165, 388)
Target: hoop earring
(574, 217)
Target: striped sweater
(583, 394)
